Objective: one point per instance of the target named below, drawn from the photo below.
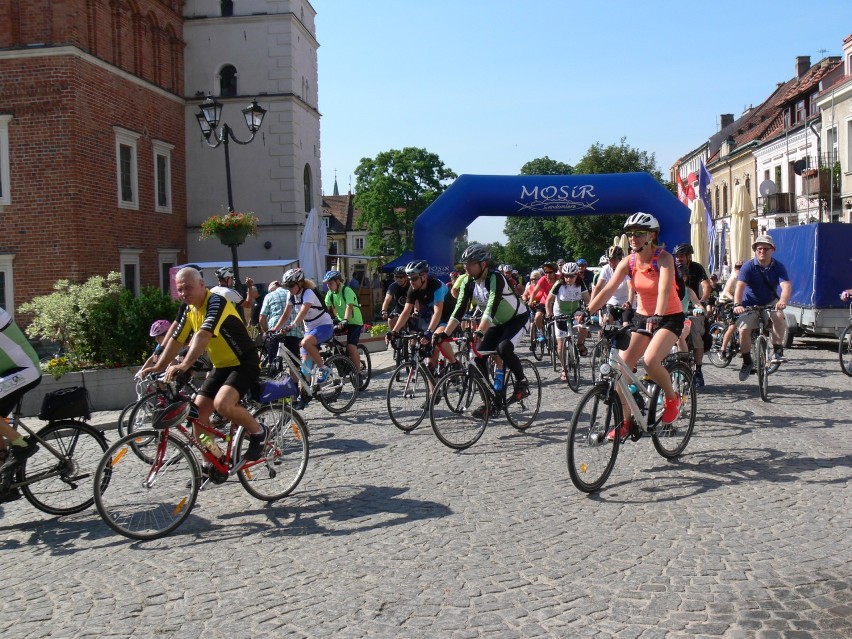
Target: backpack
(321, 298)
(681, 285)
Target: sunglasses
(550, 272)
(636, 233)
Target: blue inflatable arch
(473, 196)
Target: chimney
(803, 63)
(725, 119)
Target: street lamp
(209, 118)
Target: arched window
(748, 184)
(228, 81)
(308, 189)
(227, 8)
(716, 208)
(725, 198)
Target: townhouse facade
(103, 166)
(92, 169)
(777, 151)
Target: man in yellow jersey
(210, 323)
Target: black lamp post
(209, 118)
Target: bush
(99, 322)
(378, 329)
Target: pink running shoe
(671, 410)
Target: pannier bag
(65, 403)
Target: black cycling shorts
(673, 322)
(241, 377)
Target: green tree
(589, 235)
(392, 189)
(546, 166)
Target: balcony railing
(776, 203)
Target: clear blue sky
(489, 85)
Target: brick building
(92, 127)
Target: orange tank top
(646, 281)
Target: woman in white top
(319, 326)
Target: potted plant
(232, 228)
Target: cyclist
(310, 311)
(343, 305)
(503, 319)
(726, 304)
(585, 274)
(159, 331)
(209, 323)
(395, 298)
(20, 371)
(757, 285)
(271, 311)
(506, 269)
(695, 277)
(659, 315)
(569, 294)
(225, 275)
(538, 297)
(430, 295)
(619, 302)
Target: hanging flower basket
(231, 228)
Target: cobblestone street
(394, 535)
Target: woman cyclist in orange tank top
(659, 316)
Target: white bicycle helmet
(570, 268)
(293, 276)
(643, 221)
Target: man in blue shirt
(757, 285)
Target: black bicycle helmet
(614, 253)
(399, 271)
(417, 267)
(171, 415)
(683, 249)
(476, 252)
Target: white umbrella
(742, 211)
(309, 255)
(322, 245)
(698, 232)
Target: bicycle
(762, 352)
(337, 347)
(337, 393)
(411, 382)
(464, 400)
(56, 478)
(590, 455)
(154, 476)
(568, 362)
(844, 347)
(536, 347)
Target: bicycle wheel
(671, 439)
(124, 418)
(600, 354)
(408, 396)
(63, 486)
(844, 349)
(536, 347)
(366, 368)
(572, 365)
(279, 471)
(459, 409)
(142, 414)
(591, 456)
(339, 391)
(146, 500)
(522, 413)
(761, 361)
(717, 357)
(551, 346)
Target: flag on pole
(681, 191)
(704, 179)
(691, 182)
